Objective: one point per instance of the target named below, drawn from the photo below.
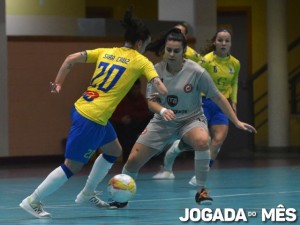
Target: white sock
(202, 159)
(52, 183)
(99, 171)
(133, 175)
(171, 155)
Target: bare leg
(218, 136)
(139, 156)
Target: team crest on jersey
(172, 100)
(188, 88)
(90, 95)
(230, 70)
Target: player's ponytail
(158, 45)
(135, 29)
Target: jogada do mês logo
(279, 214)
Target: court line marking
(222, 196)
(171, 199)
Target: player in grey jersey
(184, 89)
(179, 115)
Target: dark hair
(210, 46)
(158, 46)
(185, 25)
(135, 29)
(137, 82)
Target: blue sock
(67, 171)
(109, 158)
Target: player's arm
(233, 105)
(65, 69)
(160, 87)
(223, 103)
(234, 86)
(153, 100)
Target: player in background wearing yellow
(190, 52)
(224, 70)
(116, 70)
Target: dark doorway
(239, 142)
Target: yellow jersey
(116, 71)
(224, 72)
(192, 54)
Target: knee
(117, 151)
(217, 141)
(72, 166)
(202, 144)
(113, 148)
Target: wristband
(162, 111)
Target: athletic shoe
(164, 175)
(91, 199)
(35, 209)
(193, 181)
(202, 197)
(115, 205)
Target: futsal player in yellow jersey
(190, 53)
(116, 71)
(224, 70)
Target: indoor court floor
(242, 190)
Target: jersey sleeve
(148, 70)
(92, 55)
(207, 86)
(192, 54)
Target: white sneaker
(34, 209)
(164, 175)
(193, 181)
(92, 200)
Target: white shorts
(160, 133)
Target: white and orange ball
(121, 188)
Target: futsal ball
(121, 188)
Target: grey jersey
(184, 89)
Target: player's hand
(168, 115)
(246, 127)
(55, 88)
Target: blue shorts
(213, 113)
(86, 137)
